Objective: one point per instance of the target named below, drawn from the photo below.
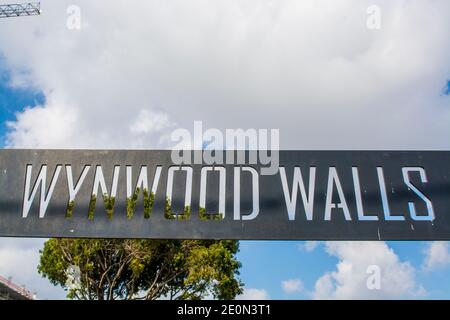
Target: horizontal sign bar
(314, 195)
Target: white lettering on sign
(73, 190)
(170, 178)
(222, 186)
(99, 181)
(39, 183)
(412, 207)
(384, 199)
(333, 180)
(142, 181)
(358, 197)
(291, 200)
(297, 192)
(237, 193)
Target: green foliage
(108, 203)
(186, 213)
(149, 200)
(131, 203)
(169, 214)
(144, 269)
(69, 210)
(207, 216)
(92, 204)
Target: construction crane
(20, 9)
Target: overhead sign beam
(315, 195)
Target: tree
(143, 269)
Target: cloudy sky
(125, 74)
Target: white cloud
(51, 126)
(311, 68)
(147, 122)
(309, 246)
(349, 280)
(292, 286)
(437, 255)
(253, 294)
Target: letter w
(39, 183)
(291, 201)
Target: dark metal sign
(315, 195)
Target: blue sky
(14, 99)
(266, 264)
